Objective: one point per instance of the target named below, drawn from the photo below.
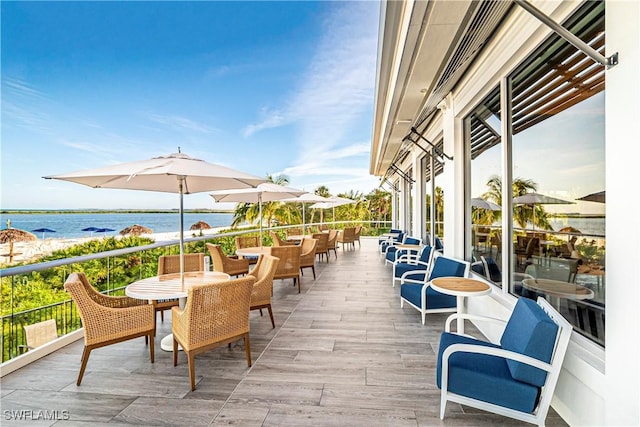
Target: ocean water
(70, 225)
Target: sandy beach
(30, 251)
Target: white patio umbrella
(304, 198)
(333, 202)
(599, 197)
(538, 199)
(175, 173)
(265, 192)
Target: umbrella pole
(304, 223)
(260, 209)
(181, 224)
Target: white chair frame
(423, 298)
(411, 257)
(553, 368)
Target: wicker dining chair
(248, 242)
(277, 241)
(331, 243)
(225, 264)
(289, 265)
(356, 235)
(108, 320)
(215, 314)
(322, 248)
(264, 271)
(308, 255)
(347, 237)
(168, 264)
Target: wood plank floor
(343, 353)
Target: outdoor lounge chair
(347, 237)
(416, 262)
(108, 320)
(322, 247)
(38, 334)
(331, 243)
(422, 296)
(515, 377)
(215, 314)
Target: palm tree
(324, 192)
(379, 204)
(522, 214)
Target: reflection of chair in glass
(264, 271)
(423, 297)
(108, 320)
(514, 377)
(561, 269)
(322, 247)
(215, 314)
(308, 255)
(289, 264)
(331, 243)
(492, 271)
(248, 242)
(168, 264)
(530, 245)
(589, 318)
(496, 240)
(225, 264)
(40, 333)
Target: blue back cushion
(439, 245)
(425, 254)
(478, 268)
(412, 241)
(395, 230)
(529, 331)
(443, 267)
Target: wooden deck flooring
(343, 353)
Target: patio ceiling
(424, 49)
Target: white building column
(452, 181)
(622, 104)
(417, 229)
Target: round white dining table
(170, 286)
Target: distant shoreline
(107, 211)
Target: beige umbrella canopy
(200, 225)
(12, 235)
(136, 230)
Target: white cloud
(181, 123)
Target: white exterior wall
(622, 101)
(589, 393)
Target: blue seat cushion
(403, 267)
(412, 241)
(484, 377)
(391, 253)
(412, 292)
(529, 331)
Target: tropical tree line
(375, 206)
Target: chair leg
(175, 351)
(273, 323)
(152, 351)
(313, 268)
(294, 280)
(192, 369)
(247, 349)
(83, 365)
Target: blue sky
(262, 87)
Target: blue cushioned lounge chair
(392, 252)
(515, 377)
(392, 241)
(423, 297)
(417, 264)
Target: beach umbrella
(175, 173)
(534, 199)
(480, 203)
(43, 230)
(599, 197)
(200, 225)
(333, 202)
(13, 235)
(304, 198)
(265, 192)
(570, 229)
(135, 230)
